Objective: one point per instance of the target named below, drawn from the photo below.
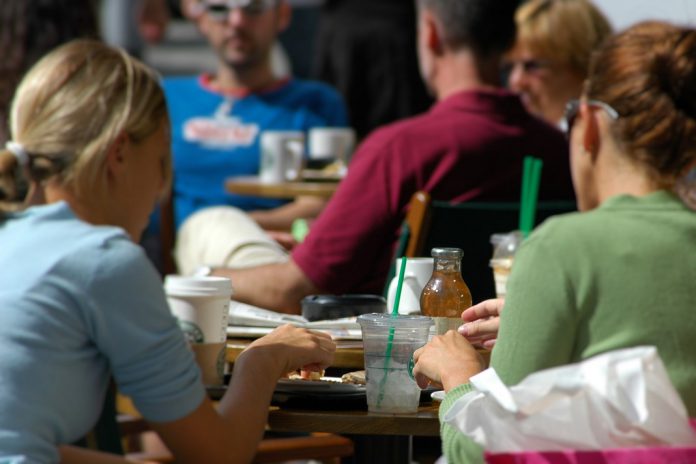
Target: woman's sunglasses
(573, 107)
(531, 66)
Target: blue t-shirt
(215, 136)
(79, 303)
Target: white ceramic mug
(282, 156)
(331, 143)
(416, 276)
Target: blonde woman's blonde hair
(73, 104)
(563, 31)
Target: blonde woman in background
(549, 61)
(81, 302)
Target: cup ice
(388, 343)
(504, 249)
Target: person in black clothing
(367, 50)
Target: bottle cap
(449, 253)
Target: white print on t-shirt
(225, 132)
(222, 130)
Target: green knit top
(619, 276)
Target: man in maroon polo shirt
(469, 146)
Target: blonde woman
(80, 301)
(549, 61)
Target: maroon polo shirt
(469, 146)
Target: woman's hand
(448, 360)
(481, 322)
(292, 348)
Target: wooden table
(424, 423)
(376, 438)
(251, 185)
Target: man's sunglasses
(220, 10)
(573, 107)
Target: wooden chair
(118, 432)
(167, 236)
(468, 226)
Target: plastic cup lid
(514, 236)
(197, 286)
(400, 321)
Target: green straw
(526, 177)
(395, 313)
(533, 193)
(399, 284)
(531, 176)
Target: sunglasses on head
(220, 10)
(573, 107)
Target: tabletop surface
(359, 422)
(348, 355)
(252, 185)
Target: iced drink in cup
(388, 343)
(504, 248)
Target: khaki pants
(223, 236)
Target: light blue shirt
(79, 303)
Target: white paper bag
(617, 399)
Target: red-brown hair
(648, 74)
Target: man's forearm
(282, 217)
(279, 287)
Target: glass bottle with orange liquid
(446, 294)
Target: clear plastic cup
(388, 343)
(504, 249)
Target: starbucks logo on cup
(220, 365)
(192, 332)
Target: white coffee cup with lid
(201, 306)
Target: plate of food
(321, 392)
(317, 383)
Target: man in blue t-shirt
(217, 119)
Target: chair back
(468, 226)
(105, 436)
(167, 235)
